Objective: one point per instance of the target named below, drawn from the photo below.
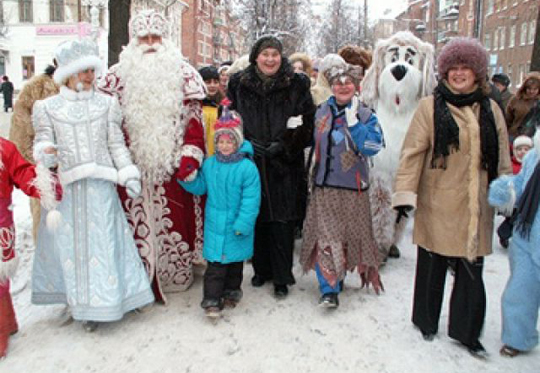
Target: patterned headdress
(229, 123)
(76, 56)
(148, 22)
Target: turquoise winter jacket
(232, 206)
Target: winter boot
(90, 326)
(8, 323)
(281, 291)
(329, 300)
(231, 298)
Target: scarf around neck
(231, 158)
(447, 130)
(527, 205)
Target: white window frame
(512, 37)
(502, 38)
(523, 35)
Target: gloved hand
(350, 112)
(188, 165)
(274, 149)
(50, 160)
(402, 212)
(258, 149)
(294, 122)
(133, 188)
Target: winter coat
(15, 171)
(453, 217)
(335, 140)
(506, 96)
(265, 109)
(500, 195)
(232, 205)
(7, 90)
(89, 148)
(22, 132)
(519, 107)
(516, 165)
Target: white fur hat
(76, 56)
(523, 140)
(331, 60)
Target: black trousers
(273, 252)
(221, 280)
(467, 302)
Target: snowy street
(367, 333)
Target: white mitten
(294, 122)
(133, 188)
(350, 112)
(50, 160)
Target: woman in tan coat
(521, 104)
(456, 144)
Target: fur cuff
(404, 199)
(45, 182)
(508, 208)
(8, 269)
(128, 173)
(194, 152)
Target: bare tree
(343, 23)
(285, 19)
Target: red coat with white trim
(15, 171)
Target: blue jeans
(324, 286)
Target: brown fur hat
(355, 55)
(306, 61)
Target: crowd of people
(136, 181)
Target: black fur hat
(209, 72)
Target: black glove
(402, 212)
(274, 149)
(258, 149)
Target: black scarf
(447, 130)
(528, 204)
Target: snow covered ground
(368, 333)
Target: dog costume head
(401, 73)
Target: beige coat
(22, 132)
(452, 216)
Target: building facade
(210, 33)
(31, 30)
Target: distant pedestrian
(7, 90)
(502, 81)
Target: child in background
(231, 181)
(211, 103)
(522, 144)
(14, 171)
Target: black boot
(281, 291)
(257, 281)
(329, 300)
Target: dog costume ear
(370, 84)
(429, 80)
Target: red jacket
(14, 171)
(516, 165)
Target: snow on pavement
(367, 333)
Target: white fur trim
(54, 219)
(239, 64)
(536, 142)
(44, 182)
(88, 170)
(8, 269)
(192, 151)
(87, 62)
(128, 173)
(72, 95)
(508, 208)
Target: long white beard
(152, 103)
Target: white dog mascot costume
(401, 74)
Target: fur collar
(282, 79)
(72, 95)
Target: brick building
(508, 34)
(210, 33)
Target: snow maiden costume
(338, 233)
(90, 260)
(160, 95)
(14, 171)
(521, 298)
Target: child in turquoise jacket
(232, 184)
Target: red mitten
(187, 166)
